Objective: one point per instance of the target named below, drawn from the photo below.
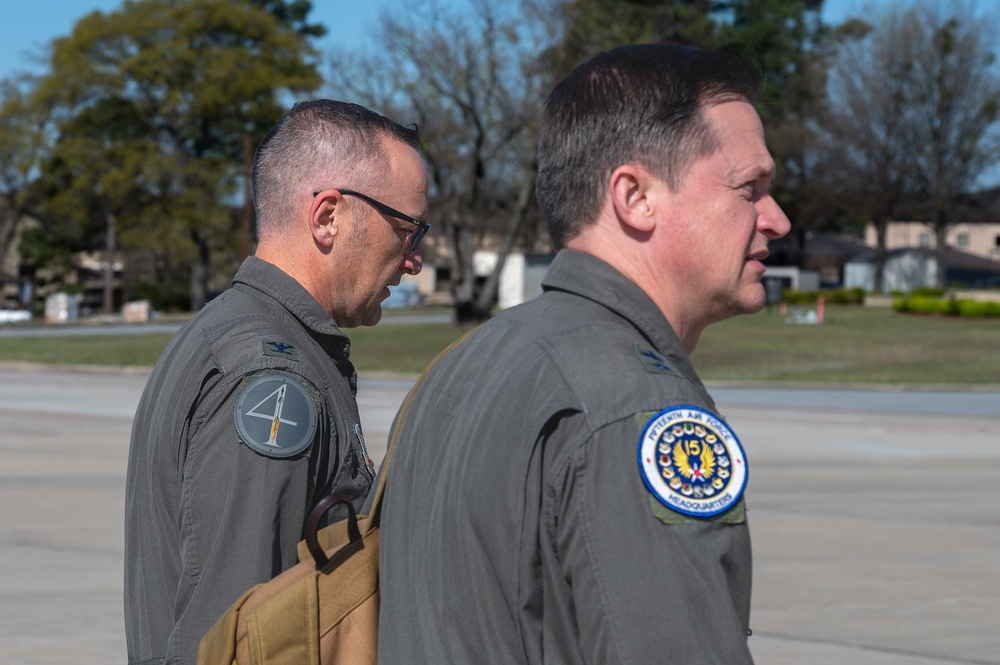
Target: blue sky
(29, 25)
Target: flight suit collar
(277, 285)
(587, 276)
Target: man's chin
(756, 304)
(373, 315)
(752, 301)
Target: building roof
(954, 259)
(822, 247)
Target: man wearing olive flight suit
(563, 489)
(250, 416)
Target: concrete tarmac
(876, 531)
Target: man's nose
(772, 221)
(413, 260)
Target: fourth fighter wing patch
(276, 415)
(692, 462)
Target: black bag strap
(312, 526)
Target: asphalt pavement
(873, 515)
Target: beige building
(976, 239)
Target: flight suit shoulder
(245, 338)
(615, 372)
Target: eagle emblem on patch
(281, 350)
(654, 362)
(692, 461)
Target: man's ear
(634, 206)
(326, 215)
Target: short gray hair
(319, 144)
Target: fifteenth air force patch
(276, 415)
(692, 462)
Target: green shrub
(916, 304)
(831, 296)
(842, 296)
(792, 297)
(974, 309)
(924, 305)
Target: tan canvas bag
(324, 610)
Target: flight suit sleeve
(643, 585)
(242, 511)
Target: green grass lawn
(113, 350)
(406, 348)
(853, 345)
(400, 347)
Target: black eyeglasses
(414, 236)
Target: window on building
(963, 239)
(925, 239)
(996, 242)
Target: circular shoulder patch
(692, 462)
(276, 415)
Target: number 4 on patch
(274, 417)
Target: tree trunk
(488, 294)
(880, 229)
(7, 231)
(247, 201)
(199, 274)
(941, 251)
(463, 274)
(110, 245)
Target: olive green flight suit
(517, 527)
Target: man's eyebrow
(758, 171)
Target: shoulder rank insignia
(276, 415)
(692, 462)
(282, 350)
(654, 362)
